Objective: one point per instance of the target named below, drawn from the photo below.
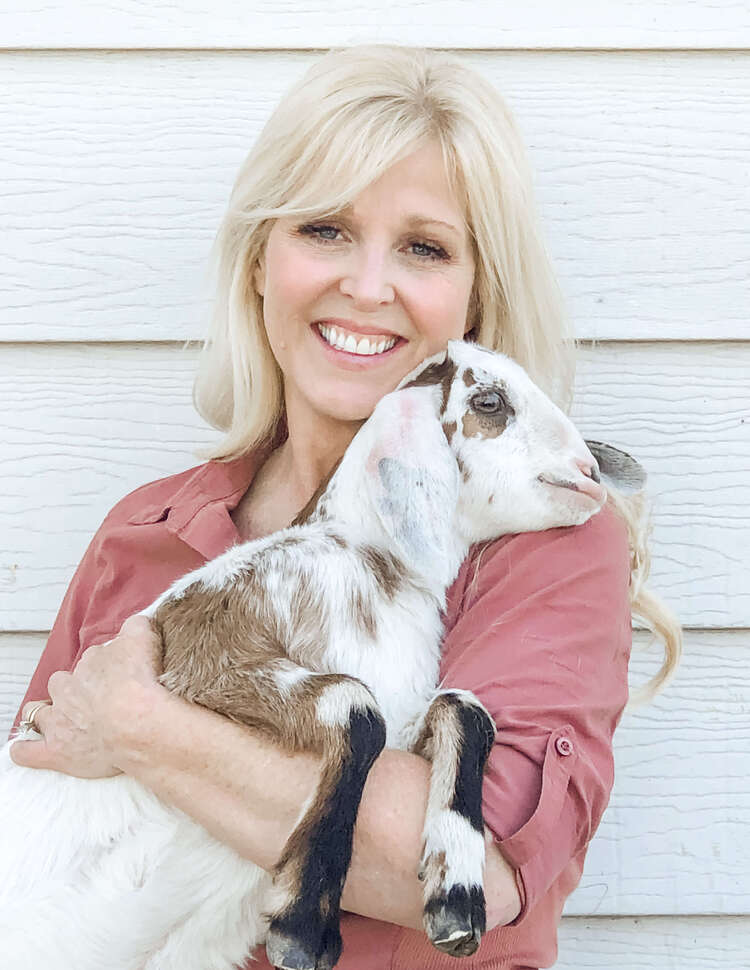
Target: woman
(385, 208)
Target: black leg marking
(306, 936)
(478, 736)
(455, 917)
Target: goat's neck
(434, 565)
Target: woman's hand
(96, 709)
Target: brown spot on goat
(484, 425)
(389, 572)
(465, 473)
(441, 374)
(214, 639)
(210, 636)
(449, 429)
(364, 613)
(468, 376)
(488, 413)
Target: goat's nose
(589, 468)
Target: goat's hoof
(290, 957)
(455, 922)
(289, 953)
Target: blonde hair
(354, 114)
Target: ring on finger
(28, 722)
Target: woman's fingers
(142, 640)
(57, 683)
(97, 710)
(34, 753)
(30, 754)
(30, 712)
(137, 625)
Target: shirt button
(563, 746)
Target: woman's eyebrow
(419, 220)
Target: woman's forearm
(249, 794)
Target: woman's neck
(292, 473)
(313, 446)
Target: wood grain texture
(674, 839)
(307, 24)
(116, 168)
(19, 655)
(684, 411)
(85, 424)
(695, 943)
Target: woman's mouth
(359, 345)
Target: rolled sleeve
(539, 628)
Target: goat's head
(469, 445)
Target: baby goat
(326, 638)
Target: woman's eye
(428, 251)
(320, 231)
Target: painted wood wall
(123, 124)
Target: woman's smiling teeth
(364, 346)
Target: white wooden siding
(123, 125)
(697, 943)
(267, 24)
(116, 166)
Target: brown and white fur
(325, 637)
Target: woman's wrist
(239, 786)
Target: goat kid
(325, 637)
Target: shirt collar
(198, 512)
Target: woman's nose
(366, 279)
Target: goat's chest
(398, 658)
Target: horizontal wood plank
(19, 655)
(116, 168)
(307, 24)
(684, 411)
(674, 839)
(686, 943)
(85, 424)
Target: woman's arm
(111, 714)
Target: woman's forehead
(418, 186)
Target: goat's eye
(488, 402)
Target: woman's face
(353, 302)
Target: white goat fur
(100, 873)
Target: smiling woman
(367, 273)
(385, 208)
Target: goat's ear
(410, 474)
(618, 467)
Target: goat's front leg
(337, 717)
(456, 735)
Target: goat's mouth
(584, 486)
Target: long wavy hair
(355, 113)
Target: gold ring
(28, 722)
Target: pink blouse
(537, 625)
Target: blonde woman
(385, 208)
